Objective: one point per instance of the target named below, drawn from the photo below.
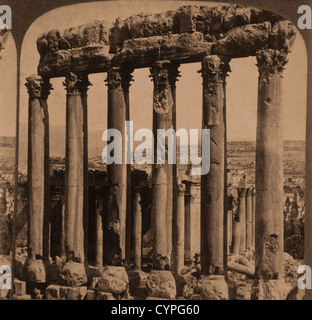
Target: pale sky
(241, 83)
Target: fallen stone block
(212, 288)
(91, 295)
(270, 290)
(23, 297)
(19, 287)
(73, 274)
(161, 284)
(73, 293)
(104, 296)
(53, 292)
(114, 280)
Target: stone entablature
(184, 35)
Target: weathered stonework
(187, 34)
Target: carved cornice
(76, 83)
(270, 62)
(38, 87)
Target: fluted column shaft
(214, 71)
(75, 175)
(38, 168)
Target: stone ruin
(161, 42)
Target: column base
(113, 280)
(35, 271)
(73, 274)
(137, 283)
(269, 290)
(161, 284)
(213, 287)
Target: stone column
(76, 86)
(63, 229)
(242, 216)
(38, 176)
(249, 218)
(269, 178)
(236, 237)
(163, 74)
(229, 222)
(179, 228)
(214, 71)
(98, 227)
(253, 203)
(115, 230)
(137, 230)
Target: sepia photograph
(155, 150)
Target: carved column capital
(119, 78)
(241, 192)
(270, 62)
(164, 74)
(253, 191)
(181, 189)
(38, 87)
(248, 192)
(76, 84)
(215, 68)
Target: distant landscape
(241, 154)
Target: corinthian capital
(164, 74)
(38, 87)
(249, 192)
(270, 62)
(241, 192)
(119, 78)
(181, 189)
(76, 83)
(215, 68)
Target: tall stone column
(269, 177)
(179, 228)
(214, 71)
(98, 227)
(242, 216)
(253, 203)
(236, 237)
(164, 76)
(137, 230)
(116, 217)
(38, 176)
(76, 86)
(249, 218)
